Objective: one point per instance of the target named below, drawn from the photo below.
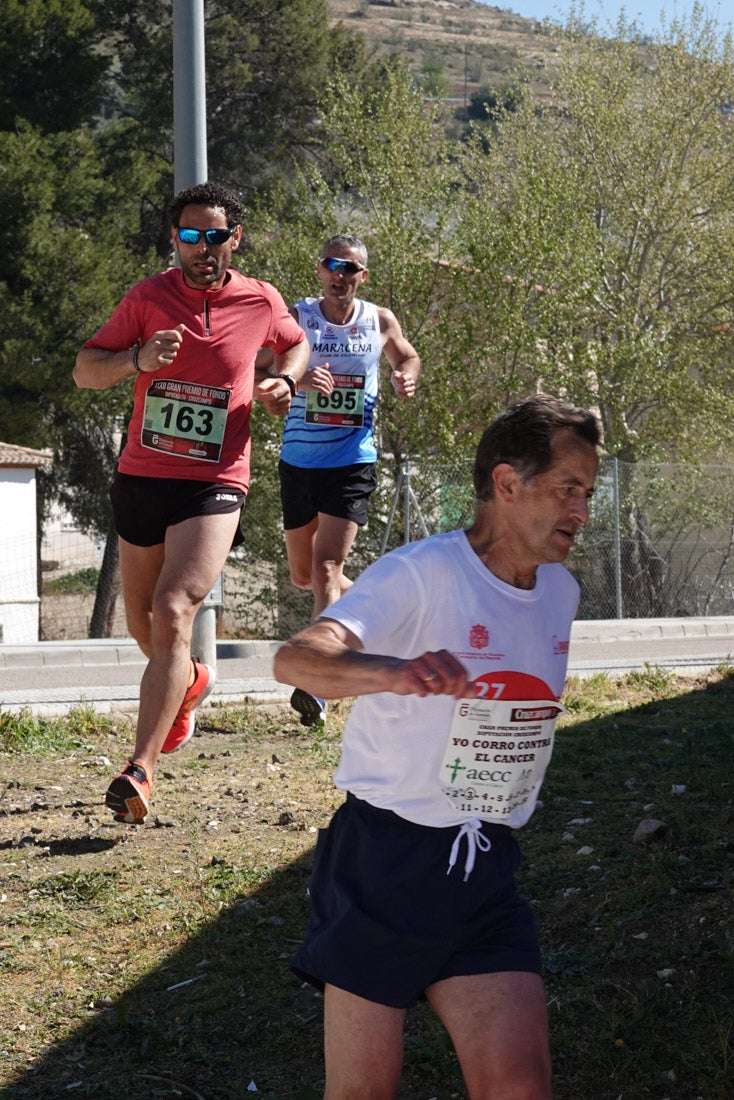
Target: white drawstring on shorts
(475, 838)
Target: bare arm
(402, 356)
(327, 659)
(274, 393)
(318, 378)
(100, 368)
(293, 361)
(264, 363)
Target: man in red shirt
(189, 337)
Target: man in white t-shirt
(456, 648)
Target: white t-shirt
(437, 594)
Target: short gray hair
(346, 240)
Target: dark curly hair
(523, 437)
(208, 194)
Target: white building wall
(19, 600)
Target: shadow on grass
(638, 937)
(638, 945)
(201, 1023)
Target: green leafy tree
(51, 74)
(56, 290)
(488, 103)
(586, 248)
(267, 67)
(433, 80)
(86, 126)
(602, 235)
(395, 187)
(486, 107)
(386, 174)
(88, 167)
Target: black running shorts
(342, 491)
(144, 507)
(388, 921)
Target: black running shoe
(311, 709)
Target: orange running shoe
(128, 795)
(184, 724)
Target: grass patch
(78, 731)
(80, 583)
(155, 961)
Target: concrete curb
(55, 702)
(52, 678)
(610, 630)
(124, 651)
(112, 651)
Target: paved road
(52, 677)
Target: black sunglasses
(213, 236)
(344, 267)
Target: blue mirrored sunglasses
(344, 267)
(213, 236)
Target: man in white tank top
(328, 457)
(456, 648)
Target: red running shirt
(192, 419)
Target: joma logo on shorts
(225, 496)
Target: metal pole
(406, 502)
(617, 541)
(391, 515)
(189, 94)
(466, 95)
(189, 168)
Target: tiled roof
(13, 455)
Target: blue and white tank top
(324, 432)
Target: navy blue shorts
(343, 491)
(144, 507)
(387, 921)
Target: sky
(646, 13)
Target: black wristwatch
(292, 384)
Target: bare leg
(317, 553)
(363, 1044)
(299, 548)
(333, 541)
(498, 1024)
(193, 556)
(140, 567)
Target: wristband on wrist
(136, 353)
(292, 384)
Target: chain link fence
(659, 544)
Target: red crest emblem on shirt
(479, 637)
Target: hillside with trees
(453, 47)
